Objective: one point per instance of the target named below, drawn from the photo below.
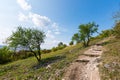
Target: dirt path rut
(85, 67)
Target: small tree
(29, 39)
(60, 44)
(54, 49)
(76, 38)
(71, 43)
(117, 30)
(86, 31)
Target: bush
(59, 47)
(60, 44)
(71, 43)
(5, 55)
(117, 30)
(106, 33)
(54, 49)
(22, 54)
(45, 51)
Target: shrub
(71, 43)
(45, 51)
(117, 30)
(22, 54)
(60, 44)
(106, 33)
(59, 47)
(5, 55)
(54, 49)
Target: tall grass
(110, 69)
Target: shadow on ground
(45, 62)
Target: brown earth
(85, 67)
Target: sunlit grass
(110, 69)
(29, 68)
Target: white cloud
(4, 34)
(24, 5)
(40, 21)
(43, 22)
(55, 28)
(49, 43)
(22, 17)
(57, 32)
(50, 35)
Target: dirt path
(85, 67)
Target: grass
(53, 64)
(110, 69)
(29, 69)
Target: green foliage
(59, 47)
(60, 44)
(76, 38)
(22, 54)
(45, 51)
(117, 30)
(106, 33)
(5, 55)
(54, 49)
(27, 38)
(71, 43)
(28, 69)
(86, 31)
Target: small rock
(48, 67)
(38, 78)
(107, 66)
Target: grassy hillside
(110, 69)
(51, 66)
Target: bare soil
(86, 66)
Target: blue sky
(59, 19)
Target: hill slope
(86, 66)
(110, 68)
(54, 64)
(51, 66)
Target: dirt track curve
(85, 67)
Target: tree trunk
(84, 43)
(35, 55)
(39, 53)
(88, 42)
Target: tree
(116, 16)
(76, 38)
(54, 49)
(71, 43)
(29, 39)
(116, 30)
(60, 44)
(86, 31)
